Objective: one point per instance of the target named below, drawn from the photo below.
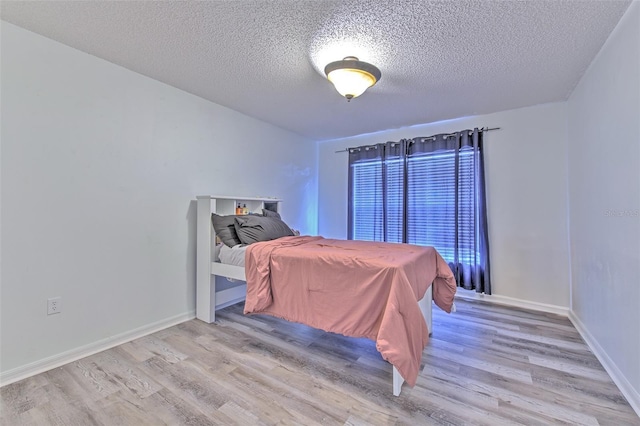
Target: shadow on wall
(310, 211)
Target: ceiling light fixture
(352, 77)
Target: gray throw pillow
(225, 229)
(251, 229)
(270, 213)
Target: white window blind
(367, 201)
(430, 202)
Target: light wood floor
(485, 365)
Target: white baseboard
(46, 364)
(632, 395)
(519, 303)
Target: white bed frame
(208, 298)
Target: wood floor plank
(520, 375)
(529, 402)
(485, 365)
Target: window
(374, 199)
(425, 191)
(367, 201)
(430, 202)
(431, 218)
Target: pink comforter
(355, 288)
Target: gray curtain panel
(446, 178)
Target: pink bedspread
(355, 288)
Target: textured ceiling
(439, 60)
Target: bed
(390, 293)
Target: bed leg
(397, 381)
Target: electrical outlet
(54, 305)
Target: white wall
(526, 175)
(604, 189)
(99, 169)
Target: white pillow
(233, 256)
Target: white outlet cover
(54, 305)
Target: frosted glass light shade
(352, 77)
(350, 82)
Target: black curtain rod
(484, 129)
